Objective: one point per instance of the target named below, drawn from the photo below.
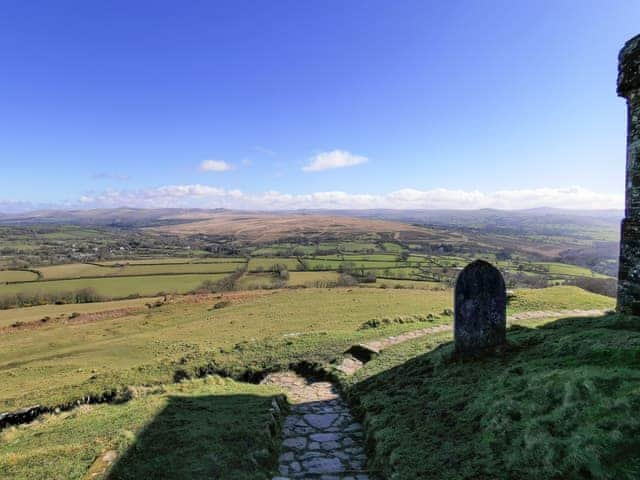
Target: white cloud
(205, 196)
(215, 166)
(333, 159)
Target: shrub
(346, 280)
(602, 286)
(280, 271)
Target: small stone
(286, 457)
(329, 445)
(325, 437)
(296, 443)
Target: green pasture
(310, 279)
(17, 276)
(79, 270)
(117, 287)
(165, 260)
(569, 270)
(32, 314)
(268, 263)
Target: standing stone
(480, 308)
(629, 272)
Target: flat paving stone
(322, 441)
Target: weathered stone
(363, 352)
(324, 465)
(325, 437)
(297, 443)
(629, 270)
(480, 308)
(321, 421)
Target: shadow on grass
(205, 437)
(559, 401)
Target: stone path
(321, 439)
(351, 364)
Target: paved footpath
(321, 439)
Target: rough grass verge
(560, 402)
(209, 428)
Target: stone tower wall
(629, 273)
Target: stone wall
(629, 273)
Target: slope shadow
(205, 437)
(439, 415)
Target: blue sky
(466, 104)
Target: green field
(310, 279)
(201, 419)
(57, 363)
(164, 260)
(83, 270)
(115, 287)
(32, 314)
(17, 276)
(258, 264)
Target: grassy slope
(560, 403)
(58, 363)
(210, 428)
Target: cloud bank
(333, 159)
(204, 196)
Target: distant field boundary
(20, 282)
(116, 264)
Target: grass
(58, 363)
(79, 270)
(417, 284)
(170, 260)
(31, 314)
(209, 428)
(569, 270)
(309, 279)
(557, 298)
(17, 276)
(559, 402)
(267, 263)
(114, 287)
